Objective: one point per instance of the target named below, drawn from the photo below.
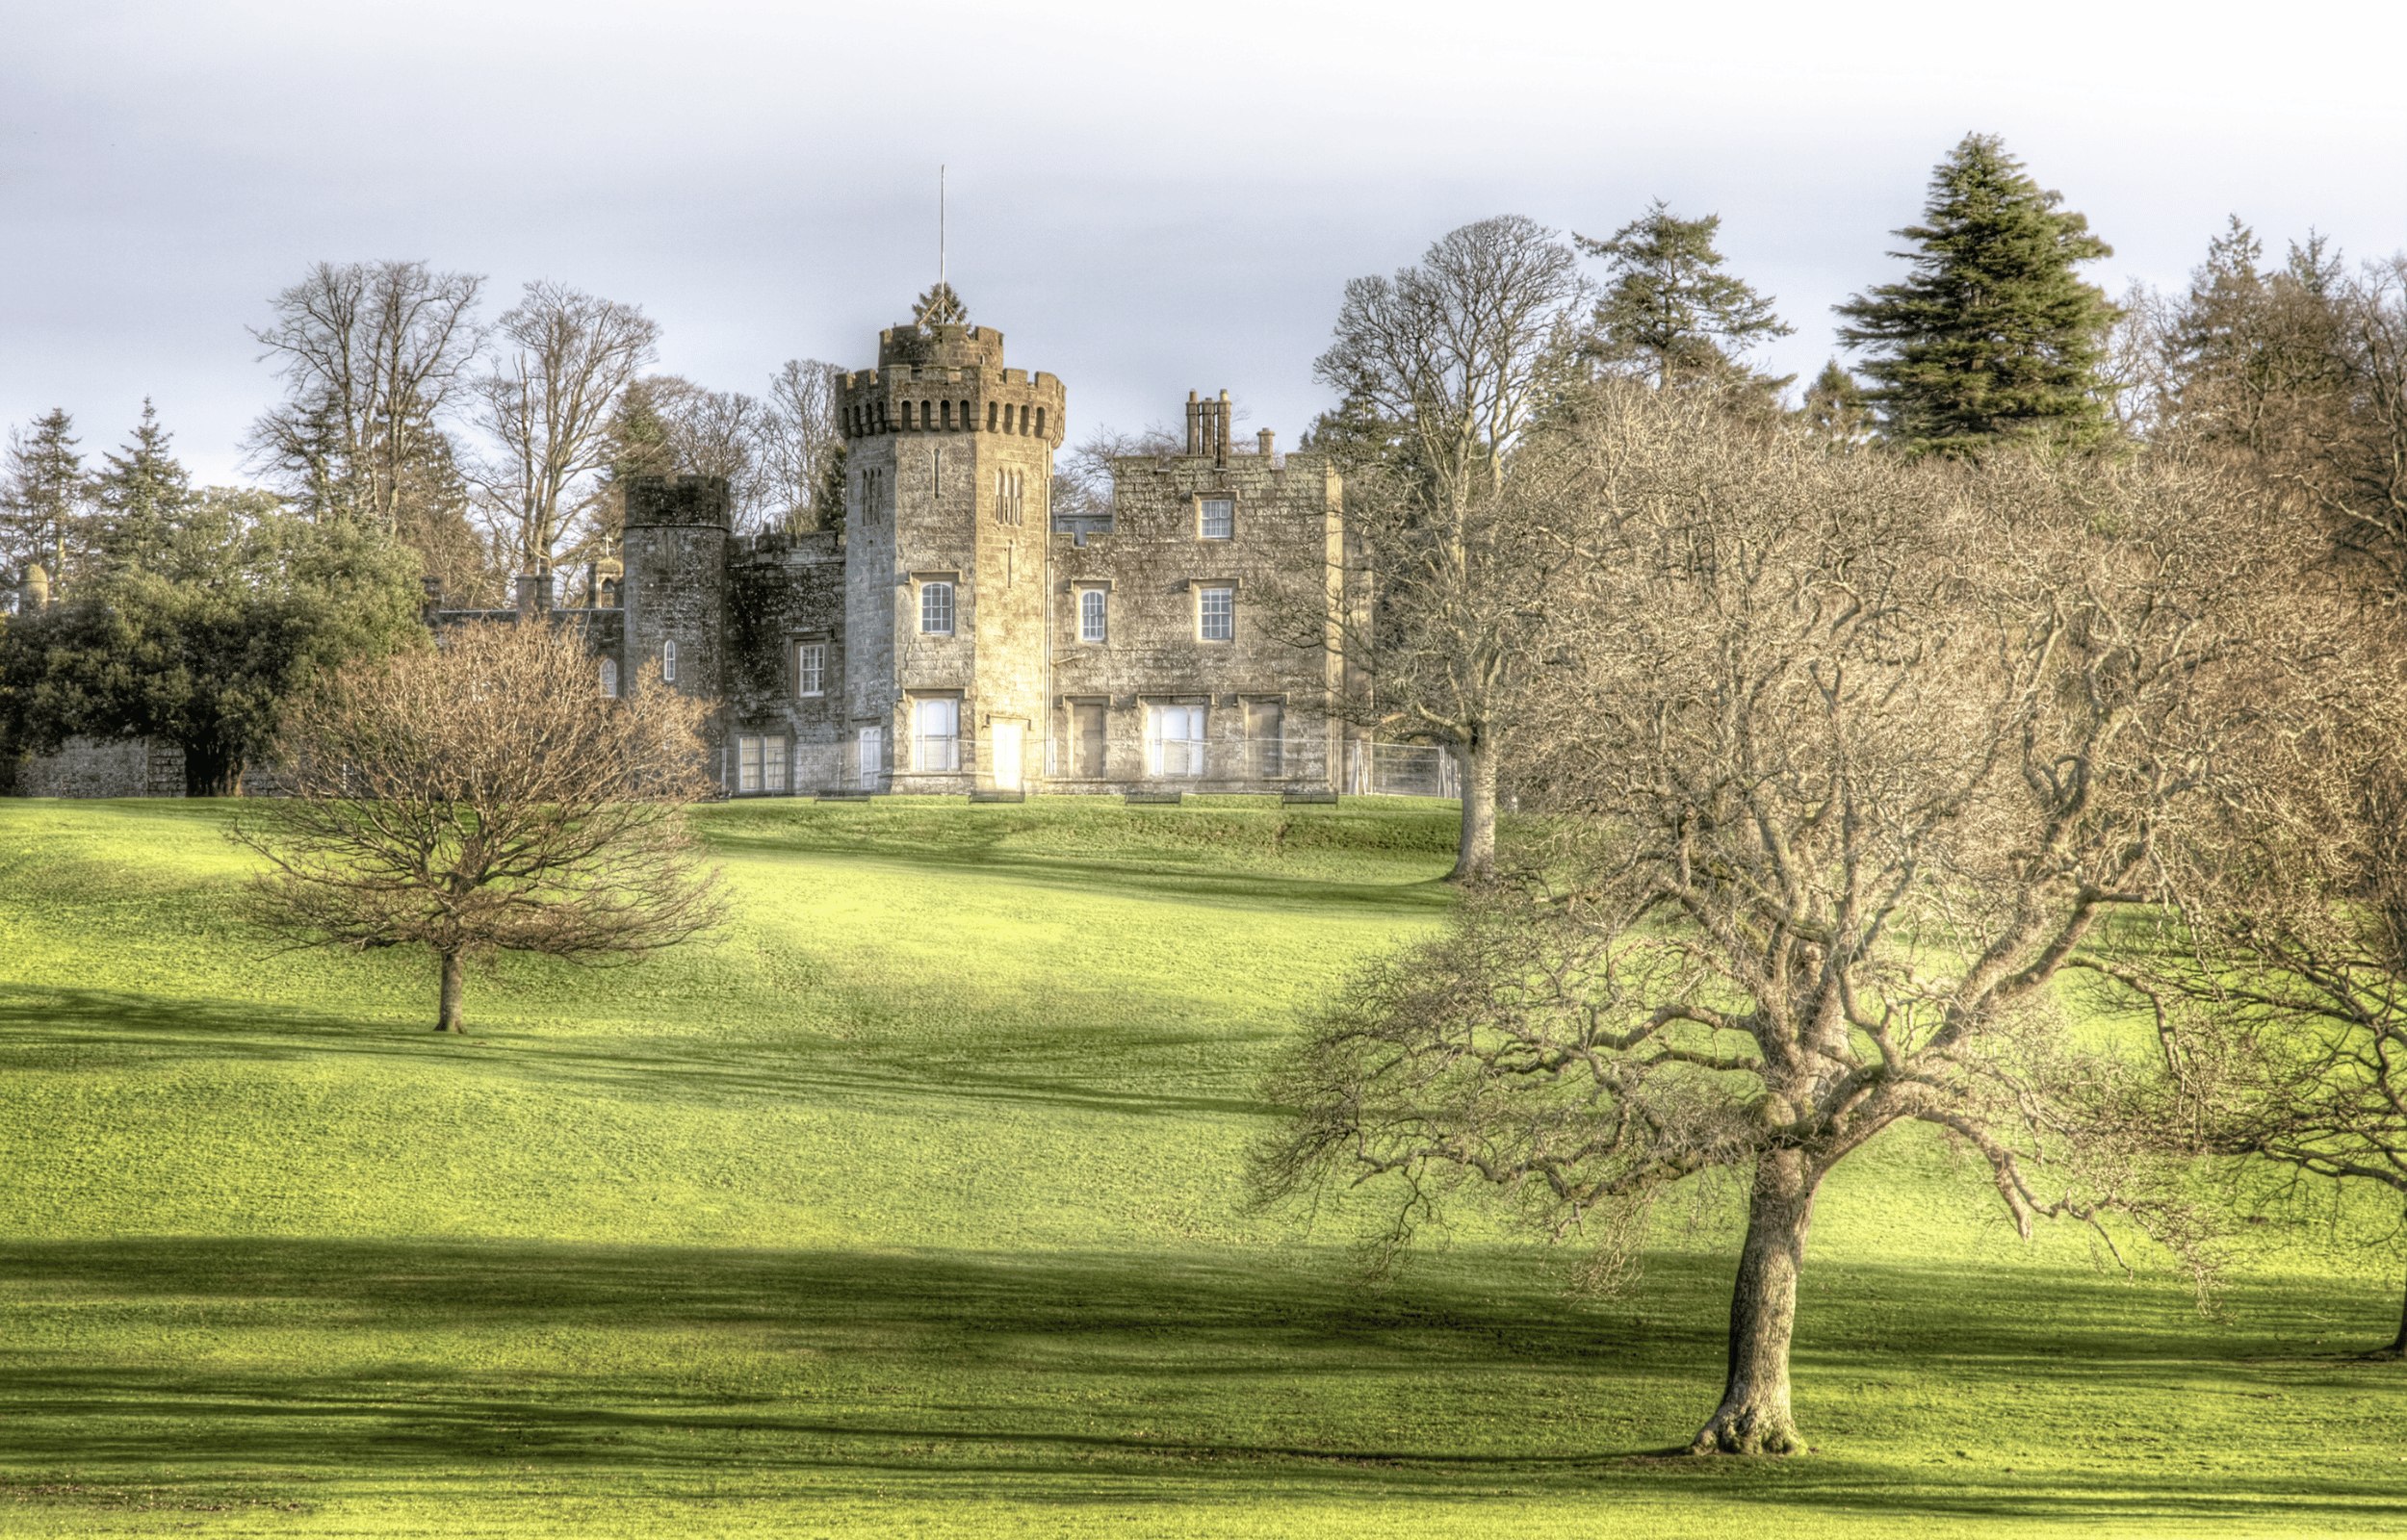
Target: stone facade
(951, 636)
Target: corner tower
(948, 498)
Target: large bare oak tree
(485, 796)
(1847, 762)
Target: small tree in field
(482, 797)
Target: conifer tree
(44, 498)
(1834, 409)
(1670, 314)
(140, 493)
(1992, 338)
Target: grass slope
(912, 1203)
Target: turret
(943, 376)
(675, 587)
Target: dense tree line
(414, 440)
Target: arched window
(1040, 422)
(668, 662)
(936, 609)
(609, 678)
(992, 408)
(1093, 614)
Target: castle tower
(947, 505)
(675, 585)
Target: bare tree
(566, 357)
(482, 797)
(799, 452)
(1453, 358)
(375, 357)
(1849, 759)
(2283, 1000)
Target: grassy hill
(912, 1203)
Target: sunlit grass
(913, 1202)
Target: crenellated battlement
(700, 501)
(943, 379)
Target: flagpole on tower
(940, 223)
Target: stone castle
(954, 635)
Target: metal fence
(1400, 770)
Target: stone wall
(104, 767)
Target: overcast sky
(1145, 198)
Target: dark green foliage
(1670, 315)
(1991, 339)
(1835, 408)
(139, 495)
(44, 498)
(240, 605)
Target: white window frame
(810, 669)
(1095, 615)
(928, 592)
(1175, 742)
(668, 662)
(1205, 520)
(609, 678)
(940, 751)
(762, 763)
(1204, 615)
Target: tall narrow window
(773, 763)
(1093, 614)
(936, 734)
(936, 609)
(1092, 720)
(1220, 519)
(1265, 738)
(668, 662)
(1216, 615)
(610, 678)
(810, 668)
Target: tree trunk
(211, 774)
(448, 1014)
(1475, 849)
(2398, 1344)
(1753, 1417)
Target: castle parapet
(947, 379)
(697, 501)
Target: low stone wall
(104, 767)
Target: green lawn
(912, 1203)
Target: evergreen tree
(244, 605)
(1992, 338)
(1835, 409)
(140, 494)
(44, 501)
(1670, 314)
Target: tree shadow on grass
(693, 1372)
(84, 1027)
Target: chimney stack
(1263, 440)
(534, 591)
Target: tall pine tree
(140, 494)
(1991, 339)
(1670, 314)
(44, 501)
